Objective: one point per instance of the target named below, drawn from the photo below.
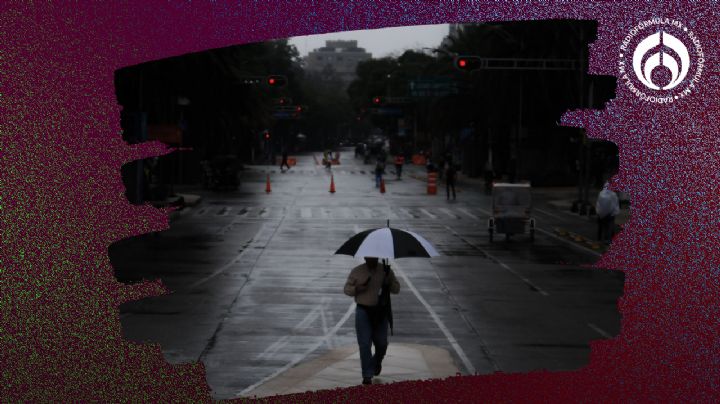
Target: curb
(580, 240)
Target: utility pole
(580, 204)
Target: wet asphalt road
(257, 288)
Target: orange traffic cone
(332, 184)
(432, 184)
(382, 186)
(267, 185)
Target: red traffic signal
(299, 108)
(267, 135)
(276, 81)
(378, 100)
(467, 63)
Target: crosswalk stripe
(449, 213)
(348, 212)
(428, 213)
(467, 212)
(406, 213)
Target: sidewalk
(341, 368)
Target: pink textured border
(62, 201)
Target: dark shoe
(367, 380)
(378, 369)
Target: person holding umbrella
(366, 283)
(371, 286)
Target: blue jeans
(378, 178)
(371, 328)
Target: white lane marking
(570, 243)
(544, 212)
(449, 213)
(502, 264)
(484, 212)
(599, 331)
(405, 212)
(323, 321)
(227, 211)
(391, 214)
(467, 212)
(226, 266)
(451, 339)
(245, 211)
(428, 213)
(309, 319)
(304, 355)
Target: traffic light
(276, 81)
(378, 101)
(298, 108)
(283, 101)
(467, 63)
(266, 135)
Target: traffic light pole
(474, 63)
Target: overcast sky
(379, 42)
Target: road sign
(388, 111)
(285, 115)
(433, 87)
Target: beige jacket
(359, 275)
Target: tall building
(337, 59)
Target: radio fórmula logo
(661, 60)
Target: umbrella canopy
(387, 242)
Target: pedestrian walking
(399, 161)
(370, 284)
(379, 169)
(444, 164)
(327, 159)
(606, 207)
(284, 160)
(450, 177)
